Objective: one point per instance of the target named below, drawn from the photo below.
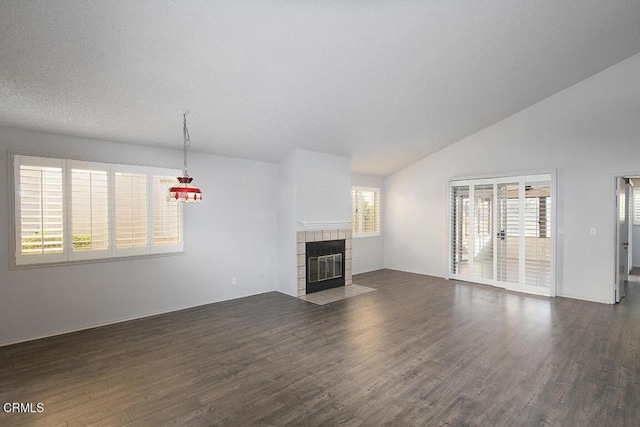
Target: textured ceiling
(383, 82)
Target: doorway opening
(627, 233)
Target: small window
(365, 215)
(70, 210)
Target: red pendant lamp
(184, 191)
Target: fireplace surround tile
(318, 236)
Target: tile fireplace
(324, 259)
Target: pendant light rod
(186, 141)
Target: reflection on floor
(632, 285)
(336, 294)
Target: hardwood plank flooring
(419, 351)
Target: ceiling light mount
(185, 191)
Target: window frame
(68, 256)
(378, 207)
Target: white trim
(361, 234)
(326, 225)
(582, 298)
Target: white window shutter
(70, 210)
(40, 210)
(131, 211)
(166, 215)
(89, 206)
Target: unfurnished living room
(319, 213)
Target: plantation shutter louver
(167, 215)
(40, 210)
(89, 183)
(537, 220)
(483, 239)
(508, 233)
(131, 212)
(460, 230)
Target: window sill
(361, 235)
(94, 261)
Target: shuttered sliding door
(502, 232)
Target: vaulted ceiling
(385, 82)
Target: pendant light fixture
(185, 191)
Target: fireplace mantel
(327, 225)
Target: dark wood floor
(419, 351)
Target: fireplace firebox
(325, 265)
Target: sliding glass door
(502, 232)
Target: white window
(69, 210)
(365, 214)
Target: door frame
(507, 177)
(616, 230)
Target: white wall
(368, 252)
(588, 132)
(314, 190)
(231, 234)
(323, 187)
(287, 281)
